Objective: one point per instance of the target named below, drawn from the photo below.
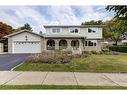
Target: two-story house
(76, 38)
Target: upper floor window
(74, 30)
(91, 31)
(56, 30)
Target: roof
(13, 34)
(66, 26)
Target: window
(56, 30)
(85, 43)
(73, 30)
(90, 43)
(94, 44)
(91, 31)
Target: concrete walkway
(62, 78)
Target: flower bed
(54, 57)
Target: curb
(16, 66)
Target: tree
(120, 14)
(4, 29)
(92, 22)
(120, 20)
(26, 26)
(120, 11)
(114, 29)
(16, 30)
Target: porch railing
(50, 47)
(62, 47)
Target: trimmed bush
(86, 52)
(94, 52)
(118, 48)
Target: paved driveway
(8, 61)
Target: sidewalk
(62, 78)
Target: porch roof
(64, 36)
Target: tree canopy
(120, 11)
(26, 26)
(4, 29)
(92, 22)
(113, 29)
(117, 27)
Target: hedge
(118, 48)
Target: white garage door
(26, 47)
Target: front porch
(64, 44)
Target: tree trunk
(116, 42)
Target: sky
(37, 16)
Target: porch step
(77, 51)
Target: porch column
(57, 44)
(81, 44)
(10, 42)
(69, 44)
(45, 44)
(1, 47)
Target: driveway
(8, 61)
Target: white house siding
(95, 48)
(32, 44)
(82, 31)
(96, 35)
(30, 36)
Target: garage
(26, 47)
(25, 42)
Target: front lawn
(94, 63)
(24, 87)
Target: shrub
(86, 52)
(50, 58)
(105, 50)
(118, 48)
(114, 53)
(80, 55)
(67, 52)
(94, 52)
(33, 59)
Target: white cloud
(20, 15)
(17, 16)
(89, 13)
(63, 15)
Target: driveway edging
(16, 66)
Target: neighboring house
(75, 38)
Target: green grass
(26, 87)
(95, 63)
